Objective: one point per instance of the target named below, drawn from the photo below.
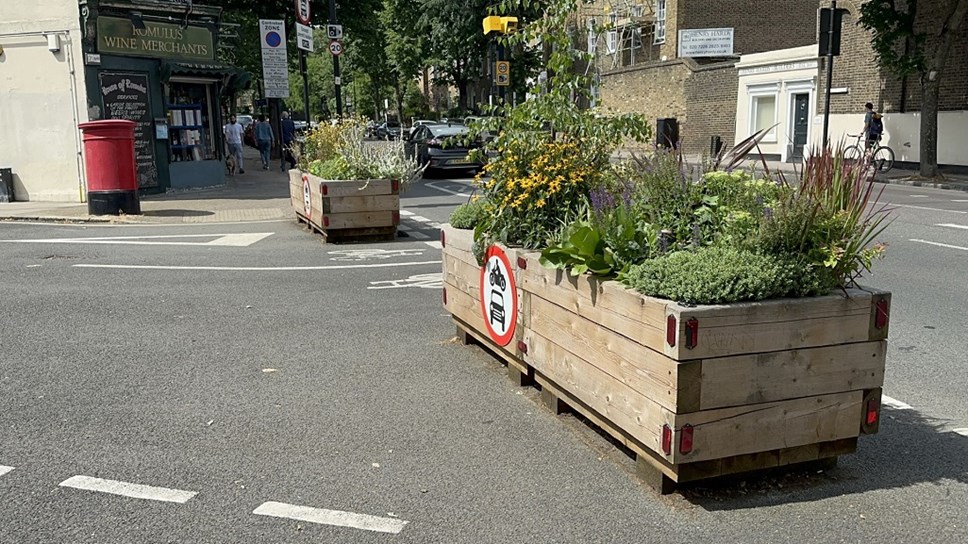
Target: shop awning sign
(275, 61)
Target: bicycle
(881, 157)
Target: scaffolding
(627, 24)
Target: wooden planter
(695, 392)
(345, 210)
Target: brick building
(641, 70)
(857, 79)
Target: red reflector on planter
(522, 347)
(692, 333)
(880, 314)
(324, 189)
(522, 263)
(395, 186)
(672, 330)
(685, 439)
(873, 411)
(445, 296)
(443, 239)
(666, 440)
(396, 218)
(325, 221)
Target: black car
(388, 131)
(442, 147)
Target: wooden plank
(467, 309)
(464, 276)
(458, 240)
(755, 428)
(514, 364)
(780, 375)
(647, 372)
(357, 220)
(358, 204)
(772, 325)
(353, 187)
(612, 400)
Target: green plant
(340, 152)
(713, 275)
(467, 214)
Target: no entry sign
(499, 300)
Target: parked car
(419, 123)
(389, 130)
(370, 131)
(442, 147)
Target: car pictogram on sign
(499, 301)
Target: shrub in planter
(467, 215)
(340, 152)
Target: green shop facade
(154, 62)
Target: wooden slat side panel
(357, 204)
(645, 371)
(772, 325)
(356, 220)
(462, 275)
(457, 239)
(782, 375)
(568, 296)
(353, 187)
(634, 413)
(467, 308)
(726, 432)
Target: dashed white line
(251, 268)
(420, 218)
(894, 403)
(918, 196)
(126, 489)
(433, 185)
(416, 234)
(929, 209)
(952, 226)
(5, 469)
(960, 200)
(330, 517)
(939, 244)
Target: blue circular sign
(273, 39)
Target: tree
(457, 45)
(905, 47)
(405, 43)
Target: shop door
(801, 120)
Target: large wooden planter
(343, 210)
(695, 392)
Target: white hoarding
(706, 42)
(275, 62)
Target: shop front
(154, 63)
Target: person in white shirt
(233, 138)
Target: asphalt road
(244, 370)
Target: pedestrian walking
(263, 139)
(233, 139)
(288, 129)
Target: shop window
(660, 22)
(190, 133)
(763, 115)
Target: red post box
(112, 176)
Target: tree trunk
(462, 95)
(930, 94)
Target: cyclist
(873, 126)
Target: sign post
(331, 30)
(830, 20)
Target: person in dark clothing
(288, 130)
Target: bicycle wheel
(883, 159)
(853, 153)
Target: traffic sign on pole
(336, 48)
(334, 32)
(503, 70)
(304, 13)
(304, 37)
(275, 65)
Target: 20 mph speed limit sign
(335, 48)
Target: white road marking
(417, 235)
(424, 281)
(952, 225)
(81, 224)
(406, 213)
(234, 240)
(5, 469)
(368, 254)
(894, 403)
(433, 185)
(137, 491)
(929, 209)
(918, 196)
(435, 224)
(330, 517)
(435, 244)
(420, 218)
(939, 244)
(251, 268)
(960, 200)
(962, 432)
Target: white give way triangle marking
(233, 240)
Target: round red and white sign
(307, 197)
(499, 301)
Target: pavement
(259, 195)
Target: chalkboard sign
(125, 96)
